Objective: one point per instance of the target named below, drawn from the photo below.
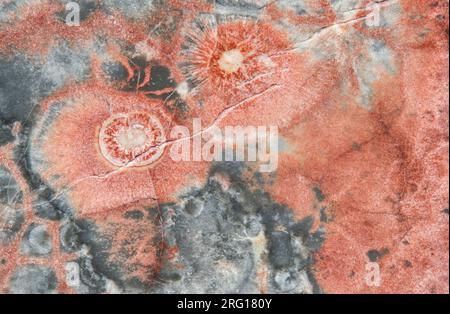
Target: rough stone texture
(358, 90)
(32, 279)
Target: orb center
(231, 61)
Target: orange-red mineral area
(117, 174)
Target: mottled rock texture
(357, 202)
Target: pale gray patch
(131, 9)
(21, 87)
(66, 63)
(25, 81)
(11, 221)
(298, 6)
(33, 279)
(249, 8)
(341, 6)
(10, 192)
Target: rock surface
(101, 193)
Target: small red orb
(132, 139)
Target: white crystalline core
(231, 60)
